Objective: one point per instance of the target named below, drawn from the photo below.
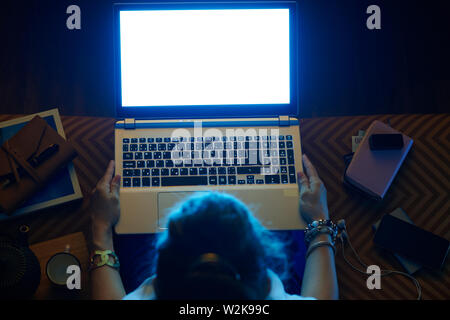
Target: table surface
(421, 188)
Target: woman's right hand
(313, 195)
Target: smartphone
(386, 141)
(411, 242)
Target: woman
(215, 249)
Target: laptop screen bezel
(209, 111)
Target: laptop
(207, 100)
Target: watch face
(57, 267)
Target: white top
(146, 291)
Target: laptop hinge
(129, 123)
(284, 121)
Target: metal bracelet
(321, 226)
(311, 234)
(320, 244)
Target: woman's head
(214, 248)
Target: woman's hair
(214, 248)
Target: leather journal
(28, 160)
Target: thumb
(115, 185)
(303, 182)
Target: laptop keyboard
(207, 161)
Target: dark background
(345, 68)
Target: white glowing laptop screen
(204, 57)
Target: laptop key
(141, 164)
(143, 147)
(126, 182)
(157, 155)
(152, 147)
(184, 181)
(147, 155)
(240, 181)
(146, 182)
(129, 164)
(133, 147)
(231, 179)
(155, 182)
(155, 172)
(202, 171)
(145, 172)
(165, 172)
(259, 181)
(169, 163)
(193, 171)
(127, 172)
(142, 140)
(136, 182)
(213, 180)
(272, 179)
(126, 140)
(292, 178)
(174, 172)
(284, 179)
(134, 140)
(125, 148)
(178, 163)
(138, 155)
(150, 163)
(248, 170)
(222, 180)
(136, 172)
(127, 156)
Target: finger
(311, 172)
(303, 181)
(115, 185)
(106, 179)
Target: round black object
(20, 272)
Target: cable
(343, 236)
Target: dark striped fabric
(421, 188)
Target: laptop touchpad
(168, 201)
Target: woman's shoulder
(277, 291)
(145, 291)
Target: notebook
(62, 188)
(373, 171)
